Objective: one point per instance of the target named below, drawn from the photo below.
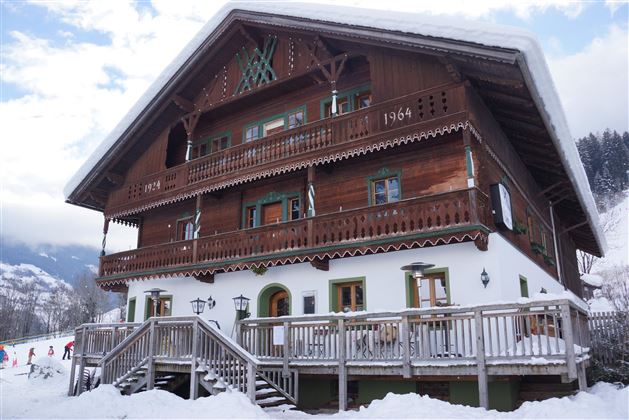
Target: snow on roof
(434, 26)
(592, 279)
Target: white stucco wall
(384, 281)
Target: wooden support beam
(115, 178)
(183, 103)
(578, 225)
(551, 187)
(205, 278)
(342, 368)
(245, 33)
(483, 390)
(322, 264)
(452, 69)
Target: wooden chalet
(300, 157)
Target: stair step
(273, 402)
(280, 408)
(266, 391)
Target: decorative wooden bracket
(322, 264)
(256, 69)
(183, 103)
(115, 178)
(190, 122)
(482, 242)
(205, 278)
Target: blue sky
(71, 70)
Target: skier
(66, 350)
(51, 352)
(14, 359)
(2, 354)
(31, 353)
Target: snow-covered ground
(617, 236)
(21, 397)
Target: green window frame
(207, 144)
(265, 295)
(335, 284)
(148, 306)
(350, 96)
(524, 287)
(273, 197)
(131, 310)
(411, 286)
(258, 126)
(383, 174)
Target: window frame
(335, 290)
(208, 142)
(260, 123)
(148, 308)
(308, 294)
(383, 173)
(524, 286)
(351, 96)
(182, 222)
(412, 295)
(271, 198)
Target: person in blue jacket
(2, 354)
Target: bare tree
(609, 222)
(616, 287)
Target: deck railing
(439, 106)
(554, 330)
(412, 217)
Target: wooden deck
(539, 338)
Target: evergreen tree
(625, 139)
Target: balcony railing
(402, 222)
(423, 111)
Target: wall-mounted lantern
(242, 304)
(211, 303)
(484, 277)
(198, 305)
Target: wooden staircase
(164, 353)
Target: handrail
(412, 312)
(124, 343)
(228, 342)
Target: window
(309, 302)
(252, 133)
(251, 216)
(131, 310)
(211, 144)
(164, 307)
(294, 208)
(530, 224)
(185, 229)
(386, 190)
(220, 143)
(363, 100)
(430, 291)
(272, 127)
(295, 119)
(350, 297)
(347, 101)
(524, 287)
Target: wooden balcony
(454, 216)
(382, 125)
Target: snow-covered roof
(592, 279)
(532, 60)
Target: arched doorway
(274, 300)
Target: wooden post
(79, 388)
(406, 347)
(113, 339)
(197, 227)
(566, 323)
(583, 384)
(483, 392)
(150, 374)
(342, 368)
(73, 366)
(310, 193)
(194, 380)
(105, 230)
(251, 382)
(286, 350)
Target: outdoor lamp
(198, 305)
(241, 302)
(417, 270)
(484, 277)
(211, 303)
(155, 292)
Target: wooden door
(271, 213)
(279, 304)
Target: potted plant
(519, 228)
(550, 261)
(259, 270)
(537, 248)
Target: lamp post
(155, 293)
(198, 305)
(417, 270)
(241, 303)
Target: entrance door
(279, 304)
(271, 213)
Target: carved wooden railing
(429, 109)
(409, 218)
(555, 330)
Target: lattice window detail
(256, 67)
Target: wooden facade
(216, 176)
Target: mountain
(48, 263)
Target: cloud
(593, 83)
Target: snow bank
(434, 26)
(45, 368)
(592, 279)
(600, 304)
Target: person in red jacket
(67, 349)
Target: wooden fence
(609, 332)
